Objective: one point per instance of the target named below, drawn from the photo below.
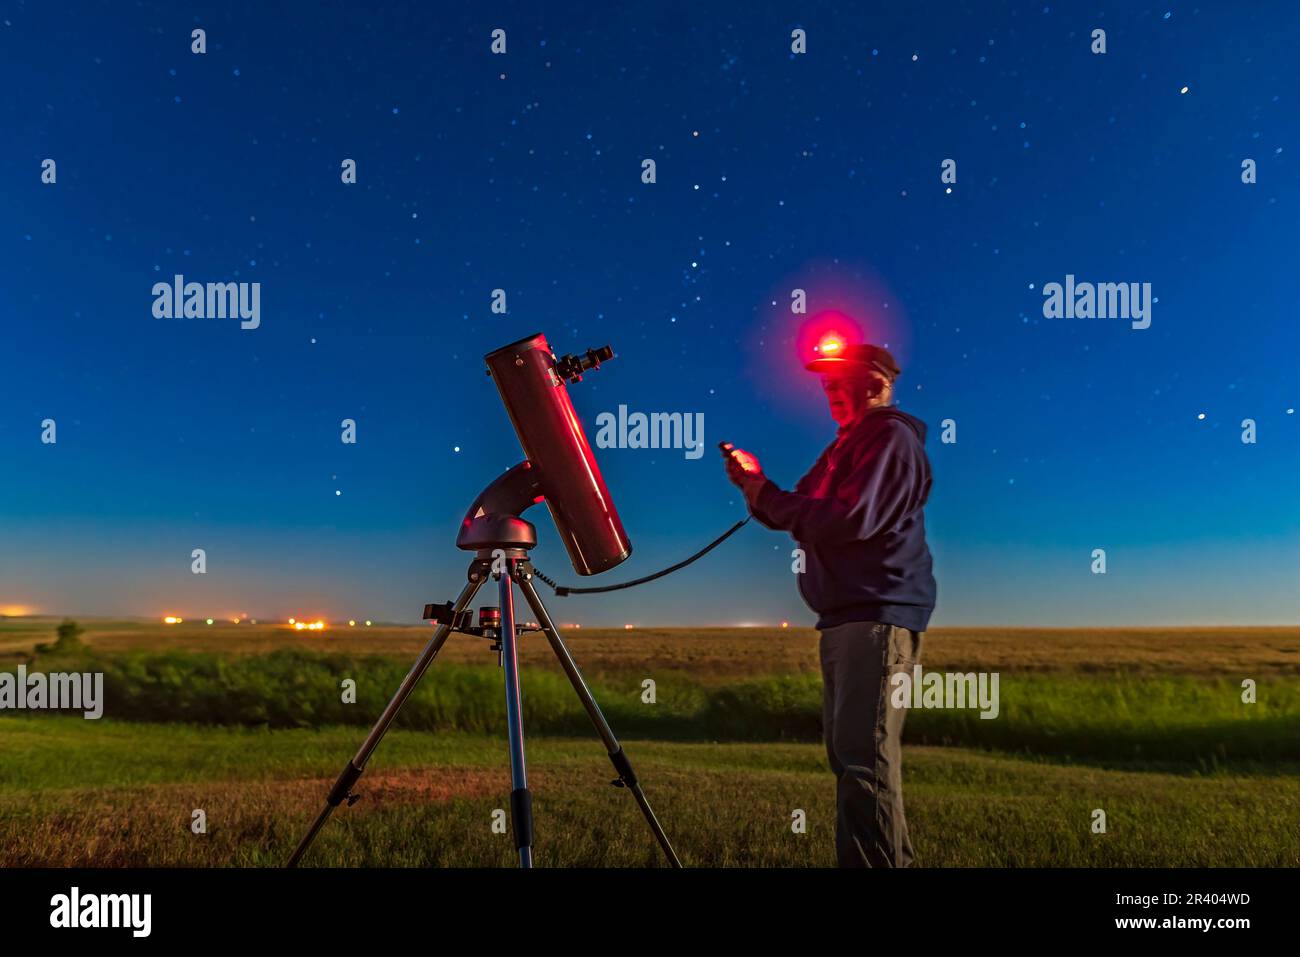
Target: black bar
(978, 908)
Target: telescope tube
(537, 400)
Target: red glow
(846, 299)
(747, 461)
(826, 334)
(830, 345)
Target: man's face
(849, 392)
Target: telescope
(559, 466)
(559, 469)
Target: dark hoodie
(858, 517)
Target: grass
(246, 722)
(1157, 718)
(721, 655)
(78, 794)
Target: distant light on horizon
(172, 620)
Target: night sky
(522, 172)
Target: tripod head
(489, 622)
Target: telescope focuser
(572, 367)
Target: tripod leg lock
(343, 786)
(626, 776)
(521, 814)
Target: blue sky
(522, 172)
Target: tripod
(509, 563)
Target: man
(858, 517)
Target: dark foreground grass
(83, 793)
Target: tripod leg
(357, 765)
(521, 799)
(620, 761)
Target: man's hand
(743, 470)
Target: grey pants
(863, 733)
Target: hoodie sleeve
(751, 498)
(884, 483)
(802, 486)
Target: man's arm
(805, 483)
(881, 487)
(751, 499)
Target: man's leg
(828, 707)
(904, 653)
(834, 710)
(863, 738)
(828, 735)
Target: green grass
(80, 793)
(1187, 774)
(1167, 720)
